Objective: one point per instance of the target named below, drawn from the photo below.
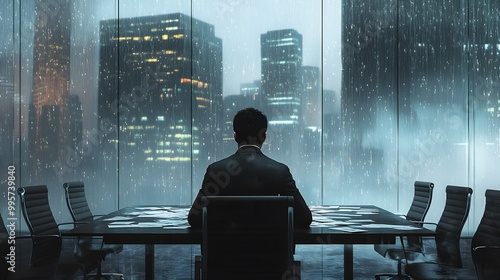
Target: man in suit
(249, 172)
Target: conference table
(333, 224)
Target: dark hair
(250, 125)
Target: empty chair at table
(448, 262)
(485, 243)
(49, 258)
(81, 213)
(412, 244)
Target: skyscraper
(281, 74)
(51, 83)
(281, 87)
(160, 79)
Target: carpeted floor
(176, 262)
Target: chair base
(393, 276)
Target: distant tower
(281, 77)
(250, 88)
(281, 74)
(51, 84)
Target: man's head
(250, 127)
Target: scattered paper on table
(119, 218)
(349, 229)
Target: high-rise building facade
(281, 87)
(160, 79)
(281, 75)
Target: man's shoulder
(274, 161)
(222, 162)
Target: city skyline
(87, 132)
(233, 21)
(163, 90)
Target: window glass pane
(45, 94)
(367, 156)
(58, 84)
(484, 99)
(332, 80)
(153, 73)
(432, 85)
(7, 100)
(272, 61)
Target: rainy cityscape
(136, 98)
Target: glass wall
(136, 98)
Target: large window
(136, 97)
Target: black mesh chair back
(79, 209)
(48, 256)
(247, 237)
(81, 213)
(43, 227)
(450, 225)
(486, 240)
(421, 203)
(419, 207)
(418, 210)
(448, 264)
(77, 202)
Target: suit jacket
(249, 172)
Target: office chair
(486, 240)
(49, 258)
(80, 212)
(448, 230)
(413, 245)
(247, 237)
(41, 260)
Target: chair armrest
(489, 248)
(72, 223)
(23, 236)
(37, 236)
(424, 223)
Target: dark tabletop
(345, 224)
